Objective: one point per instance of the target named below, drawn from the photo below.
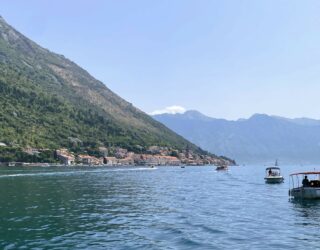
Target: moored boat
(305, 185)
(273, 175)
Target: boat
(11, 164)
(222, 167)
(273, 175)
(305, 185)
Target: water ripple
(135, 208)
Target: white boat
(305, 185)
(273, 175)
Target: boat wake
(76, 172)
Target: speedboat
(222, 168)
(305, 185)
(273, 175)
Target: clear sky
(227, 59)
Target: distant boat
(11, 164)
(276, 163)
(305, 185)
(222, 167)
(273, 175)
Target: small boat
(222, 168)
(11, 164)
(273, 175)
(305, 185)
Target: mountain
(261, 138)
(47, 101)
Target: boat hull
(222, 168)
(305, 192)
(274, 179)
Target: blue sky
(227, 59)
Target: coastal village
(155, 156)
(117, 156)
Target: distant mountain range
(261, 138)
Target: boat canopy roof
(275, 168)
(305, 173)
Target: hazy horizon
(225, 59)
(176, 109)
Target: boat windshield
(272, 172)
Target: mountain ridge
(48, 101)
(260, 138)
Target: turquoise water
(161, 208)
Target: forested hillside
(48, 101)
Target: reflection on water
(306, 220)
(144, 208)
(308, 209)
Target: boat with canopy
(305, 185)
(273, 175)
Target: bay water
(153, 208)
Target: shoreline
(48, 165)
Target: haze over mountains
(259, 139)
(47, 101)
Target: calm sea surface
(161, 208)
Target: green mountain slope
(47, 101)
